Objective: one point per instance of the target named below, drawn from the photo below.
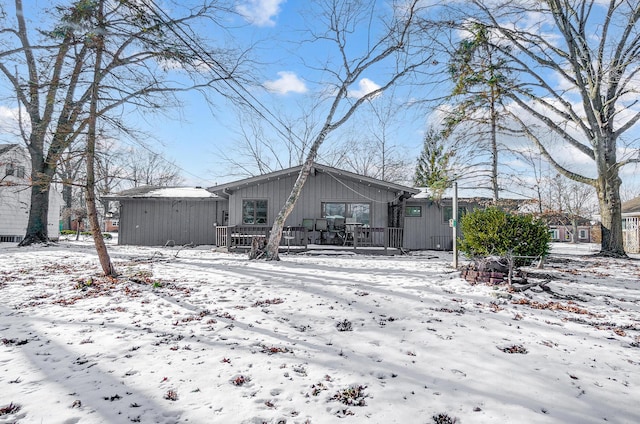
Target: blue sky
(286, 80)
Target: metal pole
(454, 227)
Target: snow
(199, 336)
(179, 192)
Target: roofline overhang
(228, 188)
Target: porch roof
(631, 207)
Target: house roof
(225, 189)
(6, 147)
(631, 207)
(564, 219)
(156, 192)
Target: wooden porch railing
(242, 236)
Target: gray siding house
(233, 214)
(326, 191)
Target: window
(413, 211)
(447, 213)
(360, 211)
(582, 234)
(20, 173)
(115, 223)
(11, 170)
(254, 211)
(554, 234)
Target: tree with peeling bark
(399, 48)
(576, 68)
(148, 59)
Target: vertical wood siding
(158, 221)
(318, 189)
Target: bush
(493, 232)
(106, 236)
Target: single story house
(630, 227)
(15, 196)
(335, 207)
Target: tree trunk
(608, 191)
(38, 215)
(37, 231)
(276, 230)
(98, 239)
(494, 146)
(67, 197)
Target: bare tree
(395, 43)
(371, 146)
(52, 77)
(590, 48)
(144, 167)
(97, 42)
(257, 150)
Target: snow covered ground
(197, 336)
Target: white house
(15, 196)
(631, 225)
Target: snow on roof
(180, 192)
(165, 192)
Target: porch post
(455, 224)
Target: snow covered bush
(491, 232)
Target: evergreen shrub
(493, 232)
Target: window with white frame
(583, 234)
(555, 234)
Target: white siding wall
(15, 198)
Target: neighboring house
(630, 225)
(565, 228)
(112, 222)
(15, 196)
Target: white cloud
(288, 82)
(260, 12)
(365, 86)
